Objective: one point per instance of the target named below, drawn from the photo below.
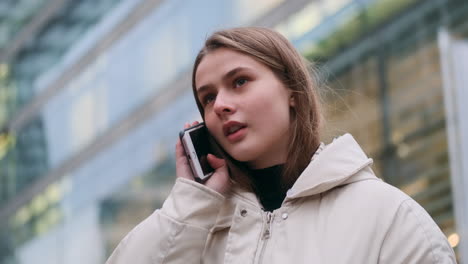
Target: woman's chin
(244, 151)
(241, 156)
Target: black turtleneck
(268, 186)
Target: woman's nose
(223, 105)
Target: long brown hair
(276, 52)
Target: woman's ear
(292, 102)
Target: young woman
(277, 195)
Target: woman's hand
(219, 181)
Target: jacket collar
(337, 164)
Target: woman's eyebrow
(225, 77)
(233, 72)
(203, 88)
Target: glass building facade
(93, 94)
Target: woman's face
(247, 108)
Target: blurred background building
(93, 94)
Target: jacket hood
(337, 164)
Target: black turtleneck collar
(269, 187)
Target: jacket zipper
(266, 234)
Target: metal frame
(152, 106)
(454, 61)
(30, 30)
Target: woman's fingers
(188, 125)
(179, 149)
(182, 166)
(215, 162)
(219, 181)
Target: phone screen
(200, 142)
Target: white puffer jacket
(336, 212)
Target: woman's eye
(239, 82)
(209, 98)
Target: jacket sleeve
(177, 232)
(414, 237)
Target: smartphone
(196, 143)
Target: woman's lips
(234, 131)
(238, 135)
